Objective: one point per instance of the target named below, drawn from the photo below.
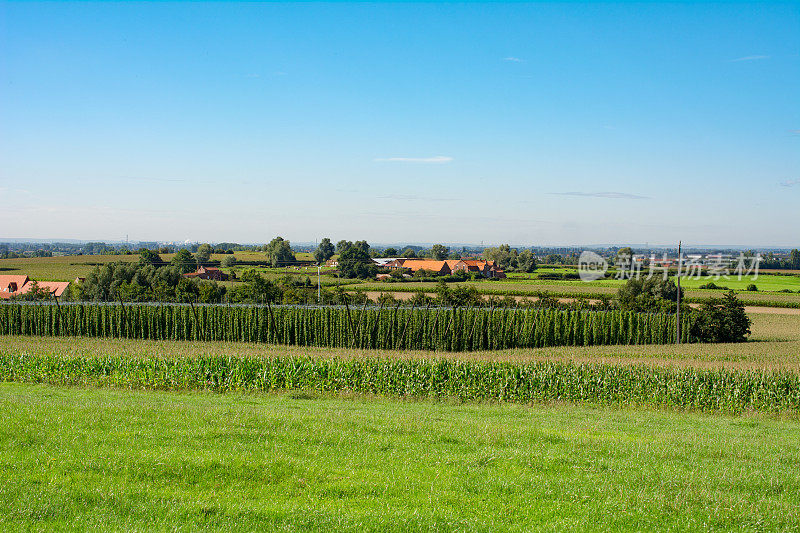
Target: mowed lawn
(121, 460)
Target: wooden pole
(678, 298)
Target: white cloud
(434, 159)
(749, 58)
(513, 59)
(616, 195)
(791, 183)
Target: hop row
(437, 329)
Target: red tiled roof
(434, 266)
(56, 288)
(23, 285)
(10, 285)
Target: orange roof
(22, 285)
(19, 281)
(56, 288)
(433, 266)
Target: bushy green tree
(203, 254)
(648, 294)
(356, 263)
(184, 261)
(149, 257)
(343, 245)
(279, 252)
(721, 320)
(526, 261)
(504, 256)
(324, 251)
(439, 252)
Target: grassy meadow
(126, 460)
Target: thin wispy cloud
(513, 59)
(434, 159)
(749, 58)
(415, 197)
(796, 132)
(609, 194)
(791, 183)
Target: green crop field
(96, 459)
(774, 345)
(605, 288)
(67, 268)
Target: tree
(504, 256)
(721, 320)
(390, 252)
(184, 261)
(362, 245)
(324, 251)
(648, 294)
(228, 261)
(279, 252)
(356, 263)
(526, 261)
(794, 259)
(203, 254)
(439, 252)
(149, 257)
(343, 245)
(409, 253)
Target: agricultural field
(527, 286)
(773, 345)
(130, 460)
(438, 329)
(67, 268)
(162, 434)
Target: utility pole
(678, 312)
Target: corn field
(690, 388)
(435, 329)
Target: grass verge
(92, 459)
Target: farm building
(21, 284)
(211, 273)
(415, 265)
(487, 269)
(383, 262)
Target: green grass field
(124, 460)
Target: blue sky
(560, 123)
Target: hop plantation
(438, 329)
